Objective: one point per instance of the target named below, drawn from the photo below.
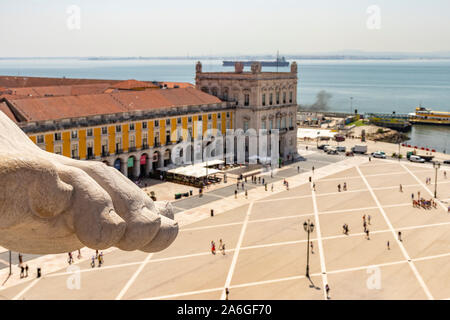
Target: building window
(214, 92)
(209, 116)
(89, 132)
(167, 136)
(263, 125)
(104, 130)
(264, 99)
(157, 139)
(228, 124)
(290, 97)
(284, 123)
(245, 126)
(167, 122)
(58, 150)
(104, 148)
(278, 123)
(179, 121)
(271, 99)
(291, 122)
(190, 119)
(119, 128)
(119, 144)
(156, 123)
(278, 98)
(58, 136)
(131, 126)
(40, 139)
(75, 151)
(132, 142)
(225, 95)
(284, 97)
(228, 114)
(144, 140)
(270, 124)
(144, 125)
(74, 134)
(219, 116)
(246, 99)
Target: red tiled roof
(68, 90)
(23, 82)
(63, 107)
(133, 84)
(6, 110)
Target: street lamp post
(351, 104)
(309, 227)
(436, 166)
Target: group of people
(70, 259)
(98, 257)
(344, 187)
(221, 247)
(422, 203)
(23, 267)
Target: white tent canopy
(314, 133)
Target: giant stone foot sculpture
(53, 204)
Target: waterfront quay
(266, 244)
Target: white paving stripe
(133, 277)
(25, 290)
(319, 242)
(236, 252)
(405, 253)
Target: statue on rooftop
(53, 204)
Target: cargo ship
(427, 116)
(392, 121)
(279, 62)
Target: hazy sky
(198, 27)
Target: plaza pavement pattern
(266, 245)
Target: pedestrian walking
(312, 248)
(367, 233)
(345, 186)
(445, 174)
(79, 254)
(22, 270)
(339, 187)
(298, 169)
(327, 289)
(26, 270)
(213, 247)
(100, 259)
(227, 292)
(313, 169)
(223, 249)
(246, 194)
(401, 188)
(369, 218)
(235, 194)
(388, 246)
(265, 186)
(70, 260)
(272, 187)
(93, 262)
(314, 186)
(400, 236)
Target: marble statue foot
(54, 204)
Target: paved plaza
(266, 245)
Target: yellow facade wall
(173, 130)
(49, 143)
(162, 131)
(34, 139)
(97, 142)
(112, 139)
(66, 144)
(184, 124)
(224, 122)
(204, 123)
(151, 133)
(125, 138)
(82, 148)
(195, 127)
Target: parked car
(416, 159)
(446, 161)
(349, 154)
(341, 149)
(332, 151)
(379, 154)
(339, 138)
(322, 146)
(326, 148)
